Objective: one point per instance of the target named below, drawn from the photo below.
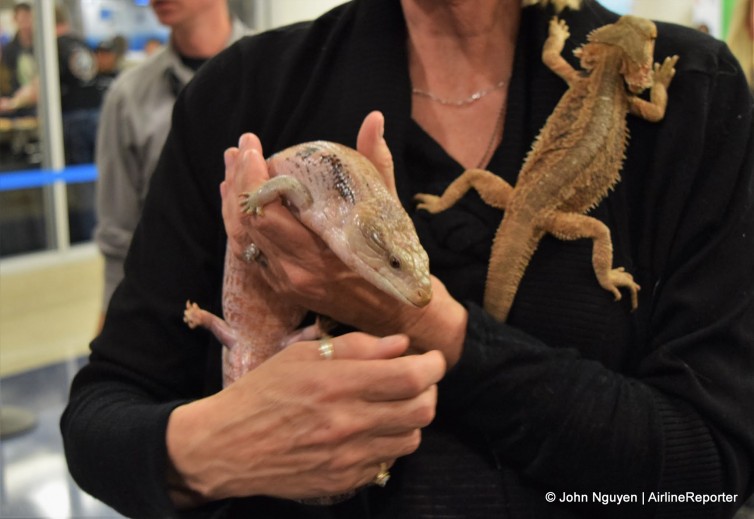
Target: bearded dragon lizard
(576, 159)
(339, 194)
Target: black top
(79, 89)
(574, 394)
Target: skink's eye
(395, 262)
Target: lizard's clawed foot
(559, 30)
(664, 73)
(619, 278)
(191, 315)
(249, 204)
(429, 203)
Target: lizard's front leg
(494, 191)
(574, 226)
(553, 48)
(286, 187)
(654, 109)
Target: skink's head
(384, 240)
(364, 224)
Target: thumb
(371, 143)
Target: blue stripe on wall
(30, 178)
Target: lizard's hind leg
(195, 317)
(494, 191)
(573, 226)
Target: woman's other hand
(300, 427)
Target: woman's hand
(300, 427)
(300, 267)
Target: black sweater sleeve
(682, 420)
(146, 361)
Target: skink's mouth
(419, 297)
(422, 297)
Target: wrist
(181, 437)
(441, 325)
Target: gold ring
(382, 477)
(326, 350)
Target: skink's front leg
(286, 187)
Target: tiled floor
(34, 479)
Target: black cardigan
(574, 394)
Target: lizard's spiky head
(635, 37)
(388, 249)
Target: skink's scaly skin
(339, 194)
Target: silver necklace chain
(499, 122)
(476, 96)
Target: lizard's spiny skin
(575, 160)
(339, 194)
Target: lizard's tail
(512, 248)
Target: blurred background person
(19, 64)
(79, 97)
(151, 46)
(136, 119)
(108, 65)
(80, 100)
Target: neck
(205, 35)
(457, 47)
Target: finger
(250, 141)
(396, 417)
(404, 377)
(385, 380)
(370, 142)
(251, 170)
(354, 346)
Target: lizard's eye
(395, 262)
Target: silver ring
(251, 253)
(382, 476)
(326, 350)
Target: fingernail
(228, 156)
(392, 340)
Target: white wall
(692, 13)
(677, 11)
(274, 13)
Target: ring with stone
(251, 253)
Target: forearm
(114, 438)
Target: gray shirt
(133, 127)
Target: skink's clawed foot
(249, 205)
(428, 202)
(191, 315)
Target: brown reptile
(576, 159)
(339, 194)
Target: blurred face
(106, 60)
(23, 19)
(177, 12)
